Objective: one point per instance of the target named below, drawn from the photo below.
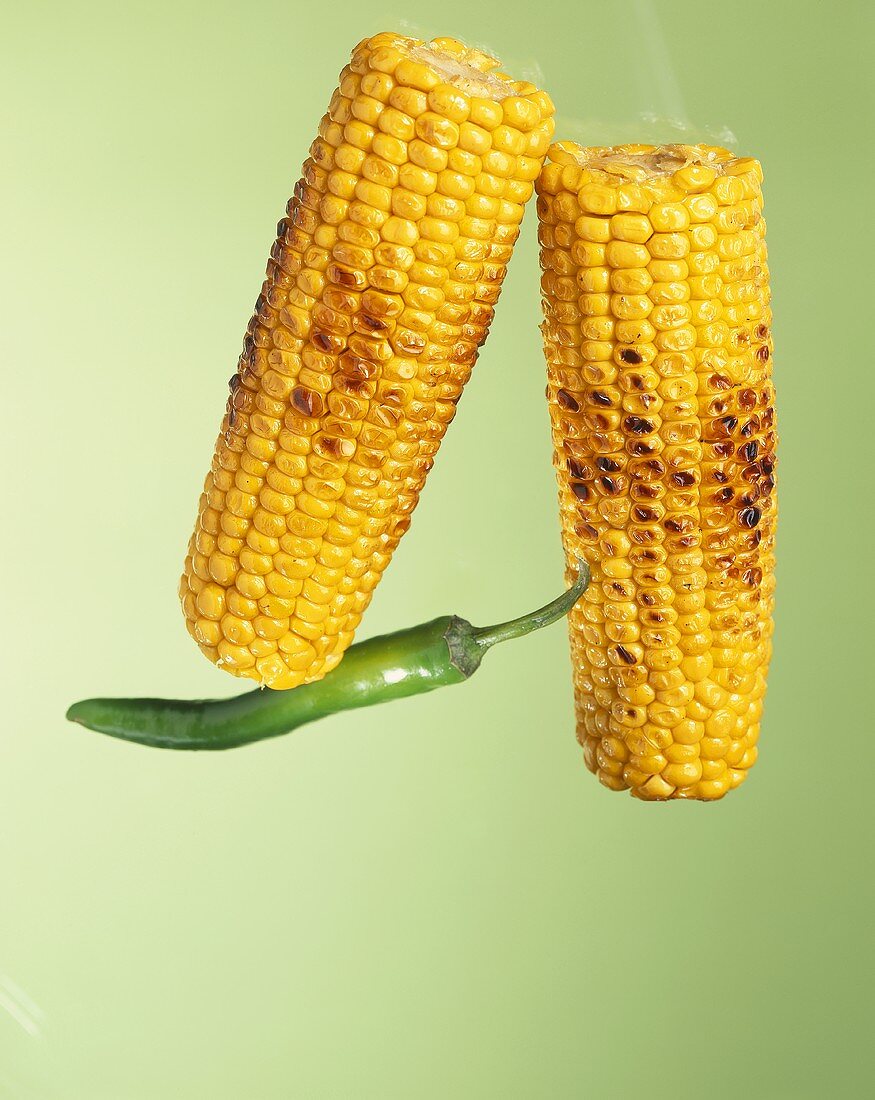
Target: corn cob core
(380, 289)
(658, 345)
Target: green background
(432, 899)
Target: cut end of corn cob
(657, 335)
(380, 289)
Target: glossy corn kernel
(380, 289)
(657, 335)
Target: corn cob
(658, 345)
(379, 291)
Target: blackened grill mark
(566, 401)
(580, 490)
(728, 424)
(750, 517)
(609, 485)
(624, 655)
(750, 426)
(307, 402)
(683, 479)
(723, 496)
(579, 470)
(749, 451)
(599, 398)
(629, 355)
(638, 425)
(747, 399)
(344, 278)
(321, 340)
(653, 466)
(576, 468)
(607, 465)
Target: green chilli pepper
(409, 662)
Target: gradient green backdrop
(432, 899)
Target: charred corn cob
(658, 345)
(379, 291)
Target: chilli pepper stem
(409, 662)
(488, 636)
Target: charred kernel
(638, 425)
(749, 451)
(747, 399)
(566, 400)
(607, 465)
(580, 490)
(578, 469)
(307, 402)
(629, 355)
(683, 479)
(625, 656)
(750, 517)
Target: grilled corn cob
(379, 291)
(658, 344)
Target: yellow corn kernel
(662, 411)
(379, 291)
